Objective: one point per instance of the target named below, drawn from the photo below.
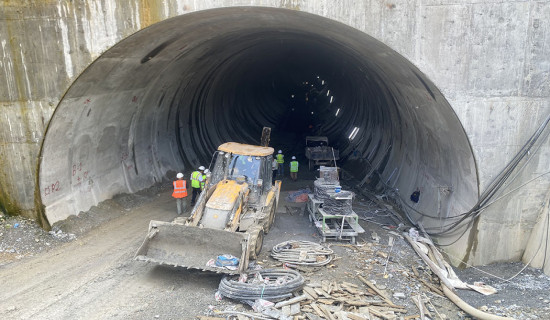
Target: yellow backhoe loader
(229, 219)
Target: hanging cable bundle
(302, 253)
(268, 284)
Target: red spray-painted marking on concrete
(54, 187)
(77, 168)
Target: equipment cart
(333, 226)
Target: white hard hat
(280, 151)
(179, 175)
(201, 168)
(206, 171)
(293, 158)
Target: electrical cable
(302, 253)
(268, 284)
(495, 186)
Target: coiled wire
(302, 253)
(268, 284)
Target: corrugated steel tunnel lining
(163, 99)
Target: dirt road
(95, 277)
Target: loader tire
(255, 243)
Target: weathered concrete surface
(490, 61)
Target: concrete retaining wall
(490, 60)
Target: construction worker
(281, 160)
(196, 179)
(205, 177)
(294, 169)
(180, 193)
(274, 168)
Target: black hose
(268, 284)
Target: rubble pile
(21, 237)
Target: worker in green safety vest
(196, 179)
(281, 160)
(294, 169)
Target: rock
(399, 295)
(381, 286)
(498, 301)
(484, 308)
(11, 308)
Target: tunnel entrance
(163, 99)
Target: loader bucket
(192, 247)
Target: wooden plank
(415, 272)
(381, 314)
(286, 310)
(431, 287)
(322, 292)
(355, 316)
(311, 292)
(312, 316)
(351, 290)
(327, 313)
(350, 285)
(326, 301)
(290, 301)
(375, 289)
(318, 311)
(294, 309)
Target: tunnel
(163, 99)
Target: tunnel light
(353, 133)
(337, 112)
(331, 97)
(292, 96)
(328, 92)
(323, 82)
(317, 77)
(311, 112)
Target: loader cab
(244, 163)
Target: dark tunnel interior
(163, 99)
(297, 87)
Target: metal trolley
(333, 226)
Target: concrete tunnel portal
(163, 99)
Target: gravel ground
(526, 296)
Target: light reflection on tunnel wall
(162, 100)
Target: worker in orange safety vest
(180, 193)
